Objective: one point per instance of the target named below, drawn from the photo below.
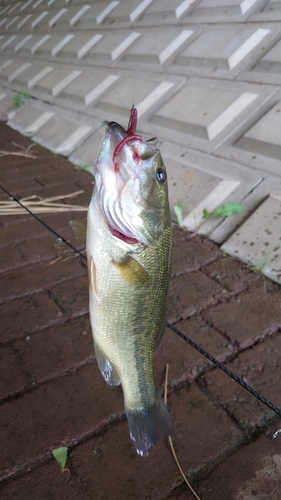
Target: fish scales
(129, 254)
(136, 338)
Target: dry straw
(170, 439)
(40, 205)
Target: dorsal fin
(79, 227)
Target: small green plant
(60, 455)
(178, 209)
(81, 166)
(260, 264)
(20, 98)
(85, 167)
(226, 210)
(97, 452)
(205, 213)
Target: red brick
(253, 472)
(13, 162)
(201, 434)
(86, 182)
(259, 367)
(45, 483)
(6, 169)
(7, 174)
(184, 361)
(66, 231)
(50, 178)
(23, 315)
(46, 247)
(191, 252)
(6, 220)
(190, 293)
(10, 258)
(186, 495)
(59, 165)
(21, 227)
(61, 220)
(73, 297)
(35, 170)
(54, 179)
(13, 136)
(38, 277)
(232, 274)
(55, 349)
(105, 455)
(20, 184)
(9, 365)
(247, 317)
(82, 199)
(34, 249)
(61, 411)
(64, 409)
(17, 231)
(49, 191)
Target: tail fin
(148, 425)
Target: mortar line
(55, 376)
(46, 457)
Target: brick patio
(52, 393)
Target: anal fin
(107, 368)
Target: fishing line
(173, 328)
(226, 370)
(43, 223)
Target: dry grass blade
(53, 261)
(170, 440)
(18, 145)
(22, 147)
(65, 259)
(52, 198)
(39, 205)
(42, 210)
(25, 151)
(15, 153)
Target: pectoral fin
(131, 271)
(106, 367)
(79, 227)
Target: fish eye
(161, 175)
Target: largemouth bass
(128, 252)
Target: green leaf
(60, 454)
(178, 211)
(205, 213)
(81, 166)
(228, 209)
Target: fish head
(131, 187)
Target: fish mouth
(117, 137)
(119, 171)
(123, 237)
